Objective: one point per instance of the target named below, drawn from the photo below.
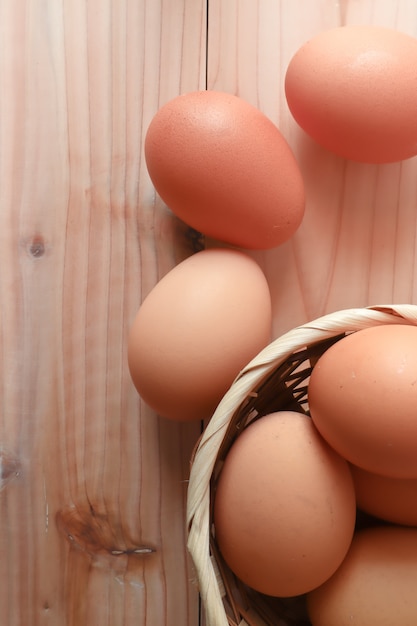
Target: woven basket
(276, 379)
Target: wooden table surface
(92, 482)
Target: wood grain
(357, 243)
(92, 482)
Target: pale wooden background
(88, 474)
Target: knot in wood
(9, 468)
(37, 247)
(97, 534)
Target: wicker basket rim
(204, 459)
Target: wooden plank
(93, 483)
(357, 243)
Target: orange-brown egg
(225, 169)
(353, 89)
(390, 499)
(363, 399)
(196, 329)
(374, 586)
(284, 508)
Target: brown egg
(284, 508)
(354, 90)
(195, 331)
(374, 586)
(390, 499)
(225, 169)
(363, 398)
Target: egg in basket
(273, 522)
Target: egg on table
(225, 169)
(200, 324)
(353, 89)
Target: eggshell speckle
(284, 508)
(363, 397)
(196, 329)
(225, 169)
(374, 586)
(353, 89)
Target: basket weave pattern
(276, 379)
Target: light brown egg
(363, 398)
(374, 586)
(196, 329)
(225, 169)
(284, 508)
(353, 89)
(390, 499)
